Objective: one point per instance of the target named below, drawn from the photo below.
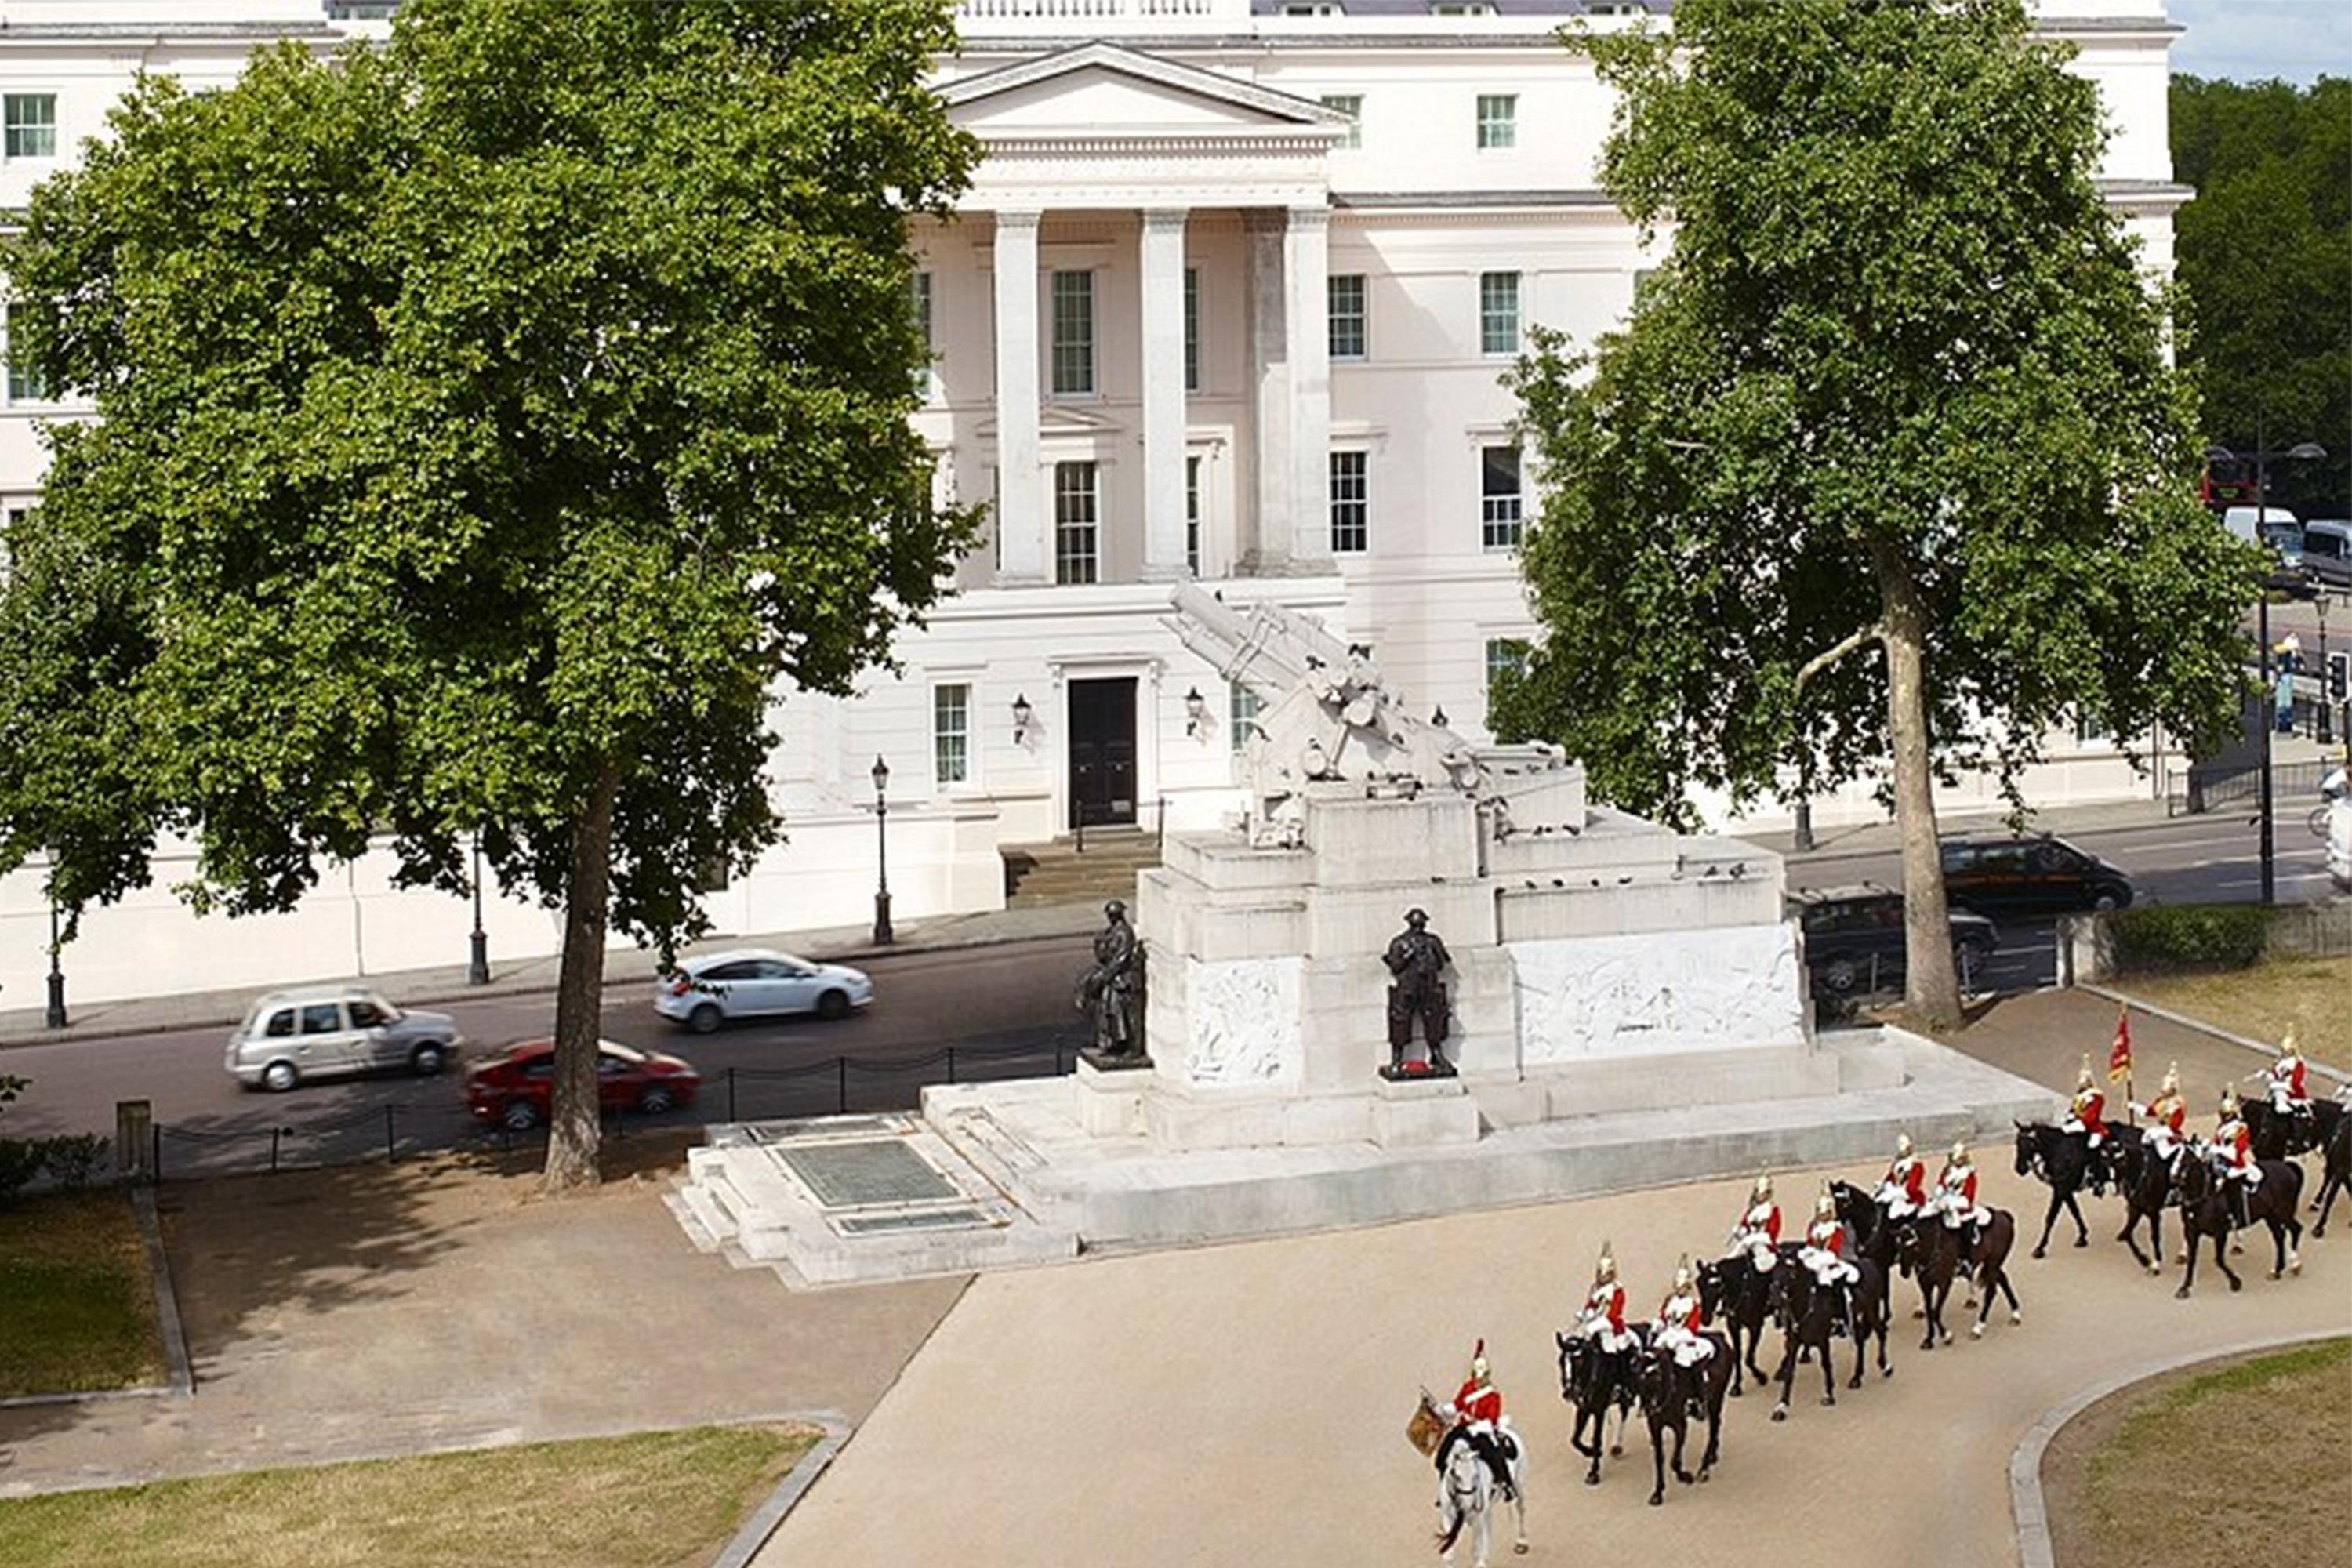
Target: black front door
(1102, 752)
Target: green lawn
(2263, 1002)
(657, 1500)
(2175, 1466)
(77, 1306)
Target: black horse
(1736, 1296)
(2277, 1137)
(2336, 1172)
(2206, 1210)
(1591, 1379)
(2145, 1182)
(2062, 1162)
(1939, 1254)
(1666, 1396)
(1806, 1314)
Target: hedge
(2165, 936)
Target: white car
(706, 991)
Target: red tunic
(2236, 1144)
(1911, 1175)
(1771, 1225)
(1477, 1400)
(1967, 1187)
(2171, 1110)
(1612, 1303)
(2089, 1105)
(1827, 1234)
(2293, 1079)
(1694, 1319)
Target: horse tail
(1445, 1541)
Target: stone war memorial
(1413, 976)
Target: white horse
(1466, 1499)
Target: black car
(2016, 871)
(1853, 939)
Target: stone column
(1307, 265)
(1021, 516)
(1163, 396)
(1268, 551)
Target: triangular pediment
(1099, 89)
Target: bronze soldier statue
(1112, 992)
(1417, 958)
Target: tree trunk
(1932, 986)
(574, 1132)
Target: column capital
(1317, 214)
(1018, 217)
(1160, 220)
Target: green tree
(489, 424)
(1898, 386)
(2264, 254)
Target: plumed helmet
(1605, 1271)
(2229, 1101)
(1763, 1188)
(1683, 1274)
(1416, 918)
(2286, 1045)
(2172, 1078)
(1825, 1207)
(2082, 1079)
(1903, 1145)
(1478, 1361)
(1961, 1152)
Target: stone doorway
(1102, 752)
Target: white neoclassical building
(1229, 299)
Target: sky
(2253, 40)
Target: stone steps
(1056, 873)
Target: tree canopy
(1899, 387)
(486, 426)
(2264, 254)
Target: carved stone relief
(1244, 1019)
(1630, 995)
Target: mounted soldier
(1758, 1233)
(2165, 1115)
(1603, 1321)
(2085, 1118)
(2232, 1155)
(1680, 1331)
(1903, 1190)
(1477, 1417)
(1955, 1201)
(1823, 1253)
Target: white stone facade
(1143, 363)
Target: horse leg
(1829, 1372)
(1617, 1449)
(2191, 1239)
(2049, 1219)
(1681, 1437)
(2325, 1202)
(1518, 1513)
(2126, 1236)
(2221, 1239)
(1786, 1377)
(2082, 1231)
(1657, 1463)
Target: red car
(513, 1087)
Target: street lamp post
(2324, 727)
(2302, 451)
(882, 935)
(55, 1015)
(478, 966)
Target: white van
(2326, 555)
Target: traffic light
(2339, 677)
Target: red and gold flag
(2119, 1062)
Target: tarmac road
(1016, 997)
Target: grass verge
(2263, 1002)
(2249, 1452)
(657, 1500)
(77, 1306)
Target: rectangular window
(1075, 516)
(1346, 294)
(922, 285)
(1241, 707)
(1498, 496)
(31, 122)
(1350, 504)
(24, 383)
(1498, 119)
(1192, 515)
(1350, 104)
(1498, 312)
(1192, 328)
(952, 734)
(1504, 655)
(1074, 334)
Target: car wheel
(425, 1060)
(704, 1019)
(279, 1076)
(832, 1004)
(655, 1100)
(517, 1116)
(2109, 900)
(1839, 976)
